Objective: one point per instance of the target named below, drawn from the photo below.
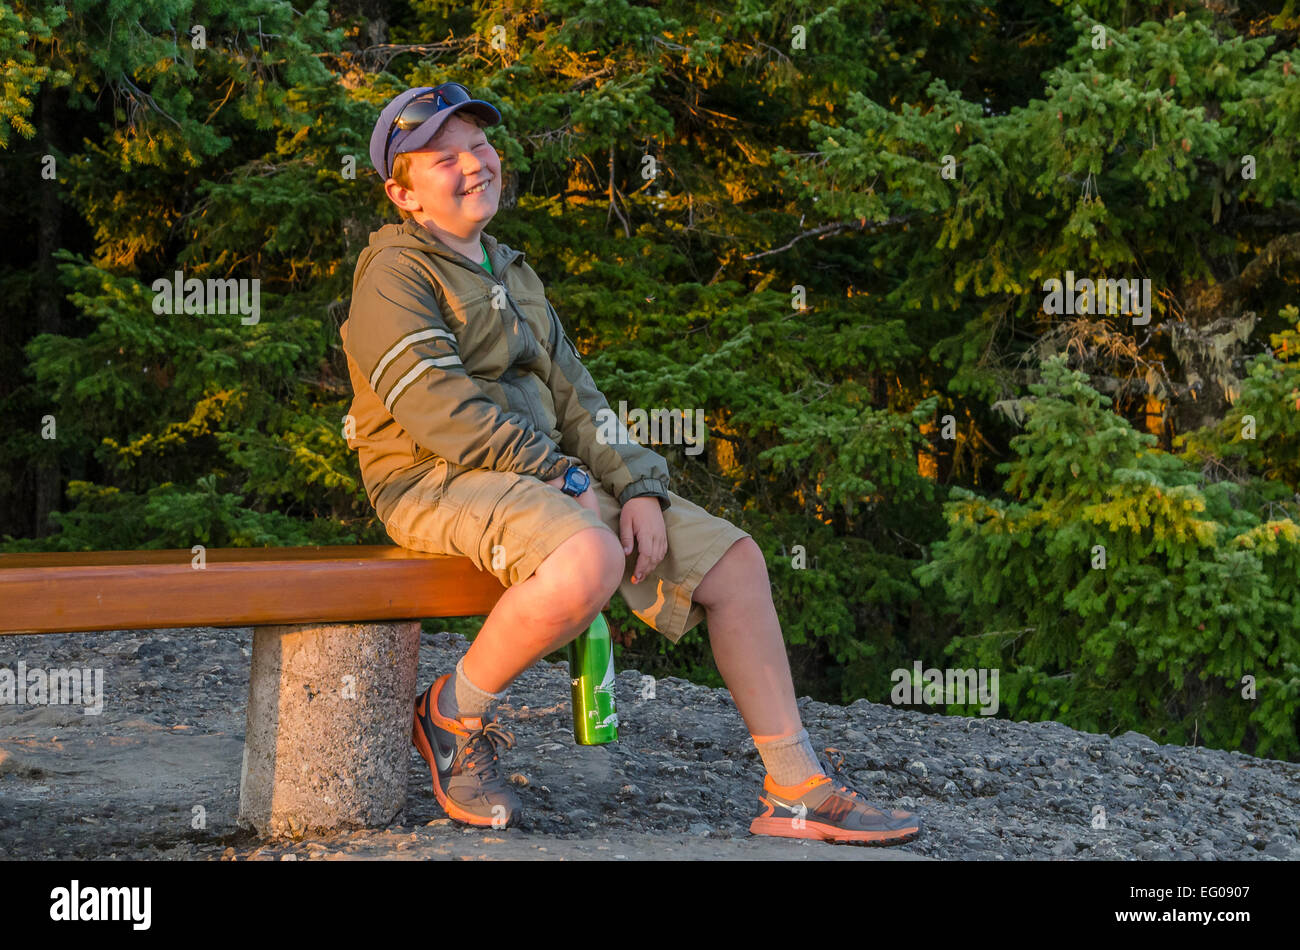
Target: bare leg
(746, 640)
(538, 616)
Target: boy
(476, 427)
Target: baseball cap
(388, 141)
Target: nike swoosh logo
(444, 762)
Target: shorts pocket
(430, 489)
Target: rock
(679, 811)
(1150, 850)
(1281, 846)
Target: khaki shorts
(507, 524)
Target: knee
(587, 568)
(741, 573)
(745, 561)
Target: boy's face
(442, 173)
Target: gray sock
(789, 760)
(460, 697)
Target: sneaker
(462, 757)
(826, 808)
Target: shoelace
(481, 751)
(832, 770)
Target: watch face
(577, 480)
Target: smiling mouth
(478, 188)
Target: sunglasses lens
(416, 113)
(452, 93)
(425, 108)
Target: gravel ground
(156, 775)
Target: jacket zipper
(525, 385)
(534, 407)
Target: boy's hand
(587, 499)
(642, 521)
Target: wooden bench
(335, 650)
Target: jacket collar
(499, 254)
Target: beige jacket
(449, 362)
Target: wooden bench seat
(237, 587)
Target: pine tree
(1118, 589)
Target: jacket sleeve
(625, 468)
(401, 343)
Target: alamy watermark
(53, 687)
(1108, 295)
(949, 686)
(659, 426)
(76, 902)
(228, 295)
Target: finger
(626, 535)
(656, 549)
(644, 564)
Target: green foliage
(1117, 589)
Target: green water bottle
(591, 679)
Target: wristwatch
(575, 481)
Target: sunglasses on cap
(423, 108)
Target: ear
(403, 197)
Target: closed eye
(452, 158)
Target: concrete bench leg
(328, 741)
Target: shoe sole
(815, 830)
(454, 811)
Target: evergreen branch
(583, 80)
(613, 193)
(919, 547)
(376, 58)
(834, 228)
(148, 99)
(778, 52)
(667, 45)
(212, 115)
(1001, 633)
(610, 190)
(328, 385)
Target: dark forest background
(827, 225)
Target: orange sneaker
(462, 758)
(826, 808)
